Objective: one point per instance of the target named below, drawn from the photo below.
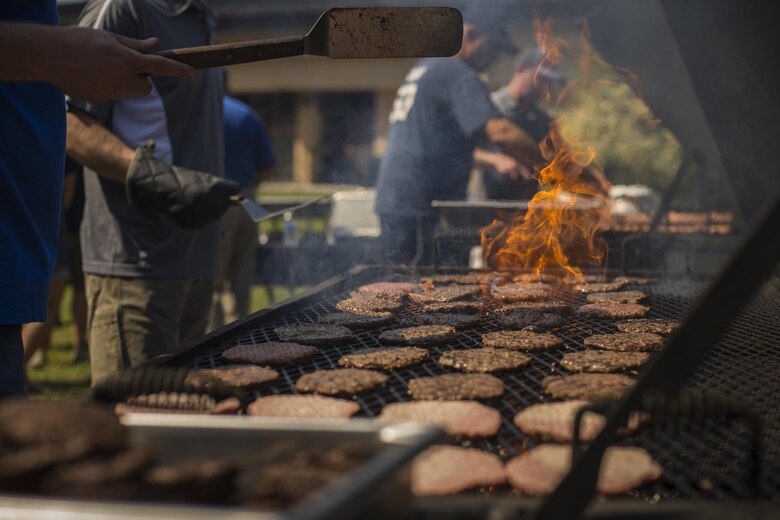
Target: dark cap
(532, 58)
(492, 21)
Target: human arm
(87, 64)
(513, 141)
(502, 163)
(94, 146)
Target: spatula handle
(235, 53)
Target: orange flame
(558, 233)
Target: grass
(59, 378)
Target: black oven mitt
(191, 198)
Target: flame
(558, 234)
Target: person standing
(38, 62)
(249, 160)
(150, 274)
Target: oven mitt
(191, 198)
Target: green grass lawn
(60, 378)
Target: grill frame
(684, 448)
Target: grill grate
(701, 460)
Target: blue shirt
(247, 149)
(437, 116)
(32, 158)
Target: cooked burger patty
(555, 421)
(591, 387)
(177, 402)
(484, 359)
(520, 340)
(530, 320)
(658, 326)
(458, 418)
(535, 278)
(635, 280)
(241, 378)
(421, 335)
(456, 387)
(447, 293)
(459, 321)
(387, 358)
(312, 406)
(626, 341)
(541, 470)
(315, 334)
(587, 288)
(613, 310)
(460, 279)
(616, 297)
(273, 353)
(454, 307)
(389, 289)
(447, 470)
(543, 306)
(357, 321)
(602, 361)
(369, 304)
(345, 381)
(520, 292)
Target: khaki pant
(237, 265)
(131, 320)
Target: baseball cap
(492, 21)
(532, 58)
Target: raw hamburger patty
(520, 292)
(530, 320)
(447, 293)
(555, 421)
(347, 381)
(315, 334)
(520, 340)
(389, 289)
(613, 310)
(543, 306)
(241, 378)
(357, 321)
(456, 387)
(454, 307)
(458, 418)
(616, 297)
(387, 358)
(658, 326)
(273, 353)
(459, 321)
(602, 361)
(540, 471)
(421, 335)
(368, 304)
(446, 470)
(587, 288)
(484, 359)
(591, 387)
(626, 341)
(313, 406)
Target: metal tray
(377, 489)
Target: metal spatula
(257, 213)
(377, 32)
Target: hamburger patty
(454, 307)
(357, 321)
(484, 359)
(387, 358)
(273, 353)
(530, 320)
(591, 387)
(315, 334)
(658, 326)
(458, 418)
(240, 378)
(541, 470)
(520, 340)
(616, 297)
(389, 289)
(543, 306)
(456, 387)
(346, 381)
(312, 406)
(176, 402)
(626, 341)
(555, 421)
(421, 335)
(447, 293)
(603, 361)
(447, 470)
(587, 288)
(613, 310)
(535, 278)
(369, 304)
(460, 279)
(520, 292)
(458, 321)
(635, 280)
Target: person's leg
(36, 336)
(196, 311)
(222, 297)
(398, 241)
(11, 361)
(78, 305)
(243, 267)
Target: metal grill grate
(703, 459)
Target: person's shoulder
(238, 111)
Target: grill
(702, 458)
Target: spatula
(376, 32)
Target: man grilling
(440, 112)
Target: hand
(511, 168)
(191, 198)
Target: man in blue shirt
(249, 159)
(440, 112)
